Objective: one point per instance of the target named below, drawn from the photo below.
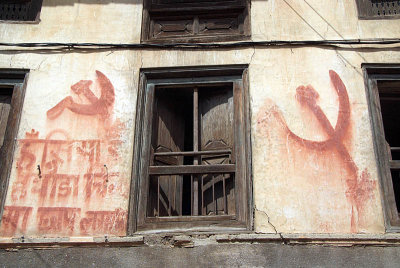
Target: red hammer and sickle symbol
(307, 96)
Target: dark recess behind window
(173, 130)
(389, 96)
(5, 107)
(20, 10)
(192, 159)
(378, 9)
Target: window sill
(394, 17)
(20, 21)
(198, 39)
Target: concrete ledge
(194, 240)
(105, 241)
(327, 239)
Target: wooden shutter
(165, 197)
(188, 19)
(12, 92)
(216, 133)
(5, 106)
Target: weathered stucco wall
(314, 169)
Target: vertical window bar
(158, 196)
(195, 149)
(224, 193)
(202, 196)
(170, 194)
(191, 195)
(213, 195)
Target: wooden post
(195, 149)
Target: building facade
(201, 124)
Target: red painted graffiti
(359, 186)
(57, 220)
(60, 175)
(99, 184)
(58, 187)
(104, 221)
(14, 220)
(98, 106)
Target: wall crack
(252, 56)
(269, 222)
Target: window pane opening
(5, 107)
(192, 129)
(389, 96)
(20, 10)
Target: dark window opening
(20, 10)
(378, 9)
(193, 162)
(389, 97)
(12, 90)
(176, 130)
(5, 107)
(383, 92)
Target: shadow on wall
(97, 2)
(89, 2)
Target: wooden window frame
(365, 12)
(34, 12)
(149, 79)
(196, 9)
(372, 74)
(18, 80)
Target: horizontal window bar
(394, 164)
(192, 153)
(190, 218)
(191, 169)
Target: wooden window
(383, 88)
(378, 9)
(192, 150)
(195, 21)
(20, 10)
(12, 91)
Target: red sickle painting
(307, 96)
(359, 186)
(97, 105)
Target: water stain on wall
(66, 186)
(359, 187)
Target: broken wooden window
(195, 21)
(378, 9)
(193, 149)
(20, 10)
(384, 97)
(12, 91)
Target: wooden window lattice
(378, 8)
(188, 20)
(22, 10)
